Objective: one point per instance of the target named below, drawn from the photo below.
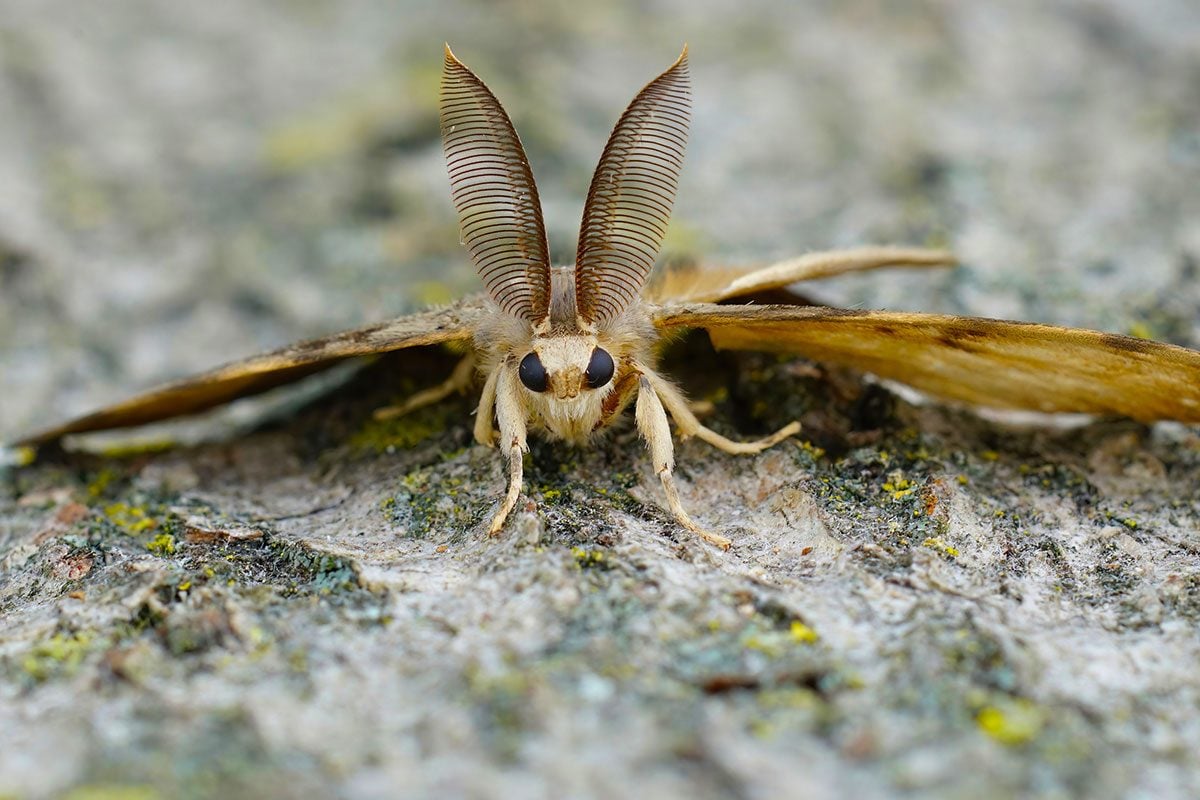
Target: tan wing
(260, 373)
(689, 283)
(984, 362)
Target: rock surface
(920, 601)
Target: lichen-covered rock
(919, 600)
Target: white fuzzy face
(565, 380)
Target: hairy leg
(485, 427)
(459, 381)
(511, 415)
(652, 424)
(677, 404)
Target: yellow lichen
(935, 543)
(1011, 722)
(802, 634)
(100, 483)
(587, 558)
(401, 433)
(898, 486)
(162, 545)
(789, 697)
(762, 645)
(131, 519)
(810, 448)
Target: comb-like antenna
(499, 214)
(629, 203)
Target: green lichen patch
(577, 488)
(218, 752)
(1181, 595)
(319, 572)
(764, 652)
(137, 522)
(887, 493)
(436, 504)
(60, 656)
(503, 708)
(405, 432)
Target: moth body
(564, 350)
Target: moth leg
(677, 404)
(511, 414)
(652, 424)
(485, 426)
(459, 381)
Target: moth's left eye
(533, 374)
(599, 369)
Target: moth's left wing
(260, 373)
(983, 362)
(691, 284)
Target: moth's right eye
(532, 373)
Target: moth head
(566, 367)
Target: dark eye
(532, 373)
(600, 369)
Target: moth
(564, 350)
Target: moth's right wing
(984, 362)
(691, 284)
(259, 373)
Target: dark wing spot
(955, 343)
(1127, 344)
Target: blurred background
(186, 183)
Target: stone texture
(921, 601)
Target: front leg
(485, 426)
(511, 414)
(652, 424)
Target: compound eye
(599, 369)
(532, 373)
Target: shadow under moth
(563, 351)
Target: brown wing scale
(260, 373)
(983, 362)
